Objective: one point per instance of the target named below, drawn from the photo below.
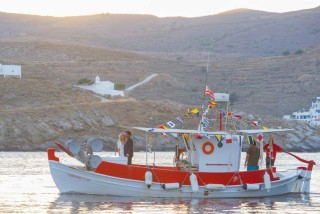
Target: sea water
(26, 186)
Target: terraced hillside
(267, 74)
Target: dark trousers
(129, 160)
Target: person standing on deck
(252, 158)
(271, 152)
(128, 147)
(120, 144)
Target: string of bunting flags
(237, 116)
(250, 138)
(195, 113)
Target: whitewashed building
(103, 88)
(10, 70)
(311, 115)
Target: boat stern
(303, 184)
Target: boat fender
(194, 183)
(148, 178)
(251, 186)
(266, 179)
(171, 186)
(215, 186)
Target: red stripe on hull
(176, 175)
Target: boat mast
(200, 128)
(206, 79)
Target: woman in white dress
(120, 144)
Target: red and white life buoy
(207, 151)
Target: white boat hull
(70, 179)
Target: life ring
(204, 146)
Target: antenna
(206, 79)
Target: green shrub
(179, 58)
(298, 52)
(285, 53)
(194, 89)
(119, 86)
(84, 81)
(233, 98)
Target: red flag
(163, 127)
(197, 136)
(229, 114)
(228, 139)
(254, 123)
(237, 116)
(260, 137)
(209, 92)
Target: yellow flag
(195, 110)
(218, 137)
(212, 103)
(187, 137)
(264, 128)
(250, 139)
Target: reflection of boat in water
(76, 203)
(209, 169)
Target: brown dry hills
(269, 62)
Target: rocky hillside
(268, 62)
(303, 138)
(274, 86)
(37, 128)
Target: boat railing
(310, 163)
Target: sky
(160, 8)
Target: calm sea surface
(26, 186)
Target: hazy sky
(161, 8)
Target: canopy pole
(226, 117)
(220, 121)
(154, 141)
(261, 153)
(147, 148)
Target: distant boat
(311, 115)
(206, 165)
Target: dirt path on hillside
(147, 79)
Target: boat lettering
(78, 177)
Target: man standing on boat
(128, 147)
(252, 158)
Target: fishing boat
(206, 165)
